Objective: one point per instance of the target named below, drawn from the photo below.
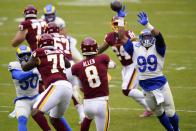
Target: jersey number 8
(92, 76)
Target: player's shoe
(146, 113)
(12, 114)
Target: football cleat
(49, 13)
(30, 12)
(89, 46)
(45, 40)
(23, 53)
(146, 113)
(146, 38)
(52, 28)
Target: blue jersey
(149, 62)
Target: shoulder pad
(14, 65)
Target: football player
(148, 55)
(26, 85)
(50, 16)
(61, 42)
(51, 64)
(129, 73)
(92, 73)
(29, 29)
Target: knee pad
(22, 120)
(170, 112)
(125, 92)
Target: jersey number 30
(92, 76)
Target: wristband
(149, 26)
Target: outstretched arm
(103, 47)
(19, 38)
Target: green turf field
(176, 19)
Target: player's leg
(23, 109)
(169, 107)
(89, 110)
(102, 118)
(58, 111)
(129, 88)
(158, 109)
(45, 102)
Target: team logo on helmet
(45, 40)
(50, 13)
(30, 12)
(146, 38)
(52, 28)
(23, 53)
(89, 46)
(117, 22)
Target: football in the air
(116, 5)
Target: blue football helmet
(49, 13)
(146, 38)
(23, 53)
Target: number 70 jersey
(148, 62)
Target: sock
(138, 96)
(85, 124)
(67, 126)
(174, 120)
(22, 122)
(41, 121)
(58, 124)
(80, 109)
(165, 122)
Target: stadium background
(176, 19)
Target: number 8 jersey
(92, 73)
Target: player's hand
(122, 12)
(143, 18)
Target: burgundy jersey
(92, 73)
(62, 43)
(112, 39)
(35, 28)
(51, 66)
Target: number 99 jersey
(28, 87)
(92, 73)
(149, 62)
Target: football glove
(143, 18)
(122, 12)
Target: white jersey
(59, 21)
(27, 87)
(148, 62)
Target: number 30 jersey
(27, 87)
(92, 73)
(112, 39)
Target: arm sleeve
(160, 44)
(129, 47)
(21, 75)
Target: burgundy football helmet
(52, 28)
(45, 40)
(30, 12)
(116, 22)
(89, 46)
